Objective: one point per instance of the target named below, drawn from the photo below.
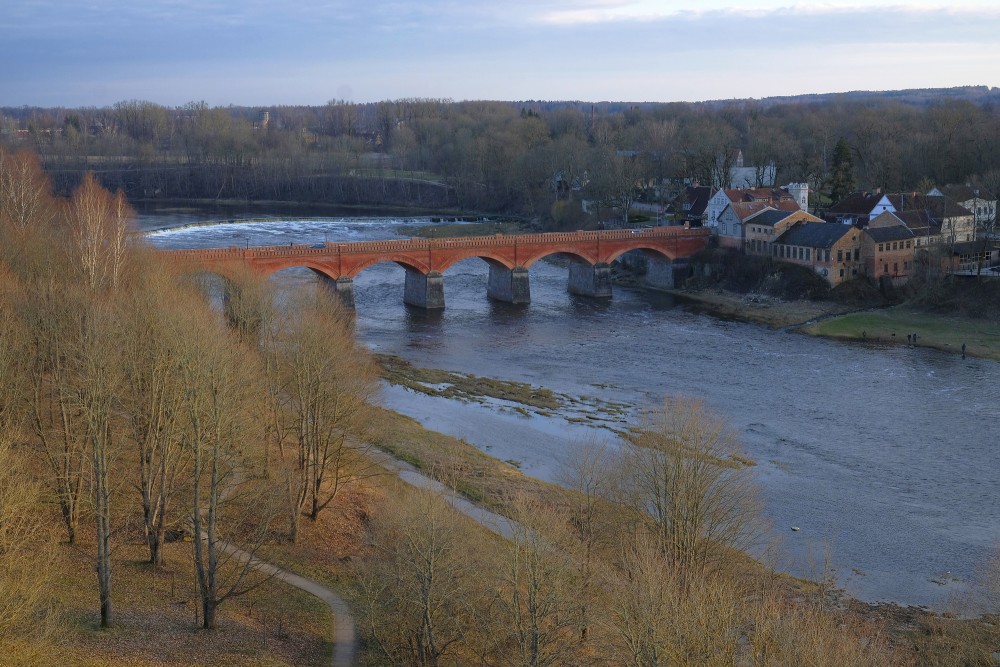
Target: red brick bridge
(509, 256)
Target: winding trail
(491, 521)
(345, 641)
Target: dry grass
(769, 311)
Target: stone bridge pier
(666, 274)
(343, 287)
(425, 290)
(590, 279)
(509, 285)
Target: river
(884, 457)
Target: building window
(880, 247)
(841, 273)
(907, 244)
(894, 245)
(840, 256)
(895, 268)
(885, 268)
(857, 254)
(807, 254)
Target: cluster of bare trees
(127, 400)
(638, 566)
(510, 157)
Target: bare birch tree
(25, 193)
(98, 224)
(533, 620)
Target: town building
(760, 231)
(888, 251)
(934, 219)
(732, 223)
(793, 192)
(980, 201)
(858, 208)
(691, 205)
(832, 251)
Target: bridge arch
(648, 248)
(570, 251)
(404, 260)
(491, 258)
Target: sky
(277, 52)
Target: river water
(884, 457)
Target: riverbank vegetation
(143, 432)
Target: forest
(533, 159)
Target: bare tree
(534, 620)
(229, 504)
(418, 595)
(248, 305)
(327, 384)
(53, 316)
(684, 471)
(589, 474)
(152, 399)
(99, 223)
(618, 178)
(25, 192)
(27, 549)
(95, 394)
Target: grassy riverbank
(892, 325)
(759, 309)
(843, 322)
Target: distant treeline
(513, 157)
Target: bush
(730, 270)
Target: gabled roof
(893, 233)
(920, 223)
(857, 203)
(771, 217)
(939, 207)
(744, 210)
(695, 198)
(815, 234)
(757, 194)
(965, 192)
(885, 219)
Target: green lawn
(981, 337)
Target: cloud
(256, 51)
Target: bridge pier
(509, 285)
(590, 280)
(424, 290)
(343, 287)
(664, 274)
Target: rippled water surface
(884, 457)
